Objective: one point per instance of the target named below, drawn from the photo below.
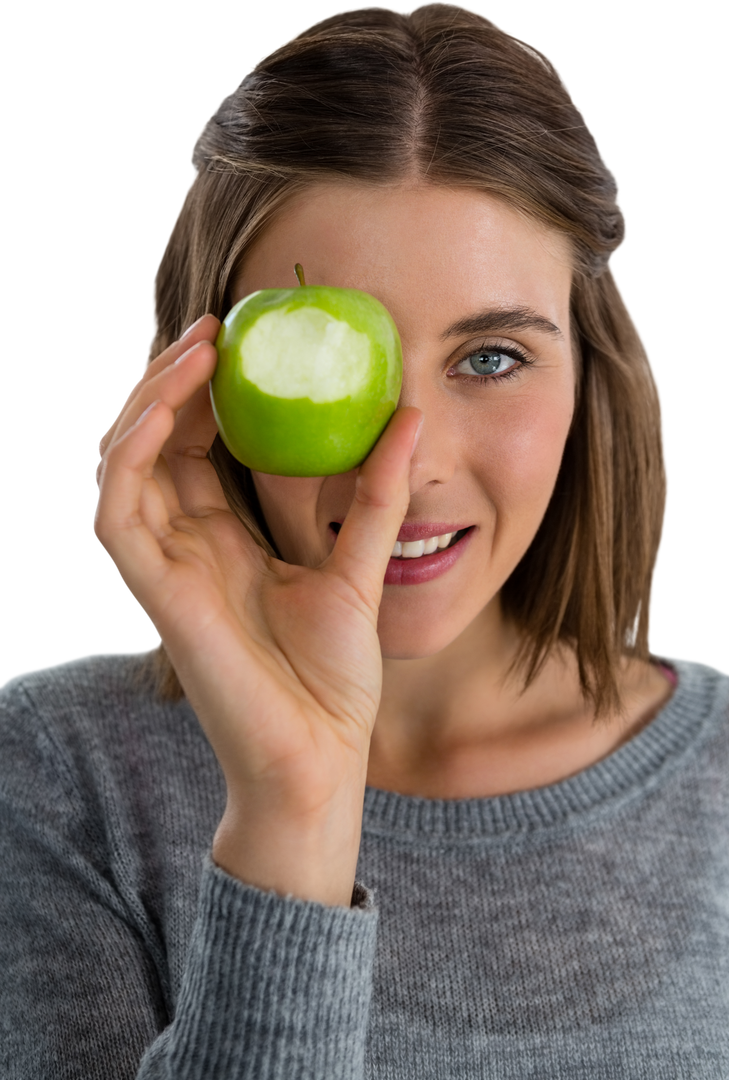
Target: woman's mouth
(415, 549)
(421, 553)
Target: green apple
(306, 380)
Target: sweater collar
(701, 696)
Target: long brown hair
(444, 96)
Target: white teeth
(413, 549)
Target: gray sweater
(579, 930)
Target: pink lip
(427, 567)
(415, 571)
(424, 531)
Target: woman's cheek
(519, 454)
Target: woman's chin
(415, 631)
(415, 642)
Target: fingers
(186, 454)
(144, 503)
(138, 496)
(365, 541)
(129, 532)
(174, 386)
(205, 329)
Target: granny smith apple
(306, 380)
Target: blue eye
(492, 365)
(489, 362)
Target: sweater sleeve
(273, 986)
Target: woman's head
(481, 297)
(442, 108)
(440, 95)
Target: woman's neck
(455, 725)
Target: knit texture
(579, 930)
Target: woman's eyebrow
(499, 320)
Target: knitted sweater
(578, 930)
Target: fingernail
(417, 436)
(147, 411)
(184, 355)
(191, 328)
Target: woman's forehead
(425, 248)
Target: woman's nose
(435, 458)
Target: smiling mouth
(408, 558)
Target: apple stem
(299, 271)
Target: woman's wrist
(309, 860)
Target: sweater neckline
(629, 769)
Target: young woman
(404, 793)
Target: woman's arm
(272, 987)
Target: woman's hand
(281, 663)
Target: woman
(374, 812)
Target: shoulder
(696, 717)
(91, 756)
(100, 710)
(95, 680)
(699, 688)
(90, 683)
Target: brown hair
(443, 96)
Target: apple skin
(295, 435)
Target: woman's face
(481, 296)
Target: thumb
(381, 498)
